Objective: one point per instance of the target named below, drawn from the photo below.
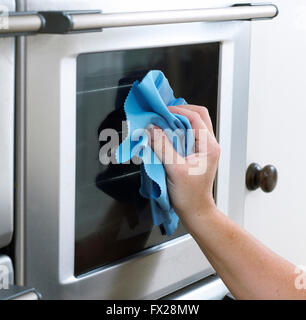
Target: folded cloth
(147, 104)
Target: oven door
(86, 239)
(7, 61)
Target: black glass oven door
(112, 221)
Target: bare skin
(248, 268)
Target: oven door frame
(50, 162)
(7, 119)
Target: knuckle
(196, 116)
(204, 109)
(204, 112)
(216, 150)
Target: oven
(84, 230)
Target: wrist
(208, 206)
(196, 218)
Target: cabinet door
(277, 130)
(6, 128)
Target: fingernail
(150, 129)
(150, 126)
(153, 131)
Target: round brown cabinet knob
(265, 178)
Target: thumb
(163, 148)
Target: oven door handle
(62, 22)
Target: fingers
(163, 148)
(199, 127)
(201, 111)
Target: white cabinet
(277, 130)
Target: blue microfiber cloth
(147, 104)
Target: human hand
(189, 179)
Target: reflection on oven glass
(112, 220)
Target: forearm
(248, 268)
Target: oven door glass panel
(113, 221)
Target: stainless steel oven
(85, 235)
